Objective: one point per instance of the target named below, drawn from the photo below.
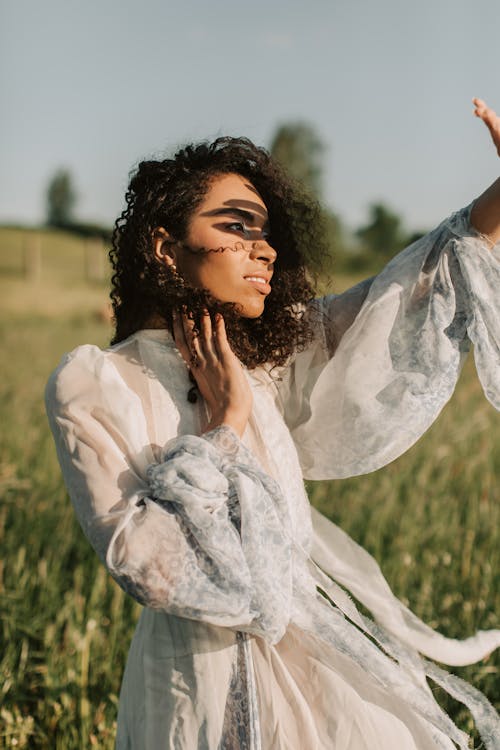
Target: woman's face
(233, 221)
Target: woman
(184, 447)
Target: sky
(97, 85)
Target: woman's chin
(250, 311)
(252, 308)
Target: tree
(300, 150)
(383, 235)
(60, 199)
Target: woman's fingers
(220, 337)
(207, 337)
(487, 115)
(197, 347)
(204, 351)
(490, 119)
(196, 355)
(478, 104)
(186, 338)
(214, 367)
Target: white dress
(248, 639)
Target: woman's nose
(261, 250)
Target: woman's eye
(237, 226)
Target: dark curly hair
(165, 194)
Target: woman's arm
(389, 351)
(485, 214)
(195, 529)
(358, 398)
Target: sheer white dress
(248, 638)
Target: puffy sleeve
(200, 533)
(389, 351)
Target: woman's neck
(155, 321)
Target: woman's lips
(263, 286)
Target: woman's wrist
(231, 419)
(485, 214)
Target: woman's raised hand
(490, 119)
(485, 212)
(217, 371)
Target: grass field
(431, 519)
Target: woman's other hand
(217, 371)
(490, 119)
(485, 214)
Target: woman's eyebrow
(233, 211)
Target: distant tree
(60, 199)
(384, 234)
(298, 147)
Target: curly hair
(165, 194)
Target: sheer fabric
(248, 638)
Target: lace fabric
(235, 521)
(396, 364)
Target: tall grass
(431, 519)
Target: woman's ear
(165, 246)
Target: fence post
(32, 256)
(94, 256)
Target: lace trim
(240, 730)
(225, 439)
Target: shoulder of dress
(459, 222)
(81, 356)
(84, 357)
(67, 375)
(90, 357)
(88, 369)
(78, 371)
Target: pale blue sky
(97, 85)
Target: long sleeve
(199, 533)
(389, 351)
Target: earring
(174, 273)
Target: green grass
(431, 519)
